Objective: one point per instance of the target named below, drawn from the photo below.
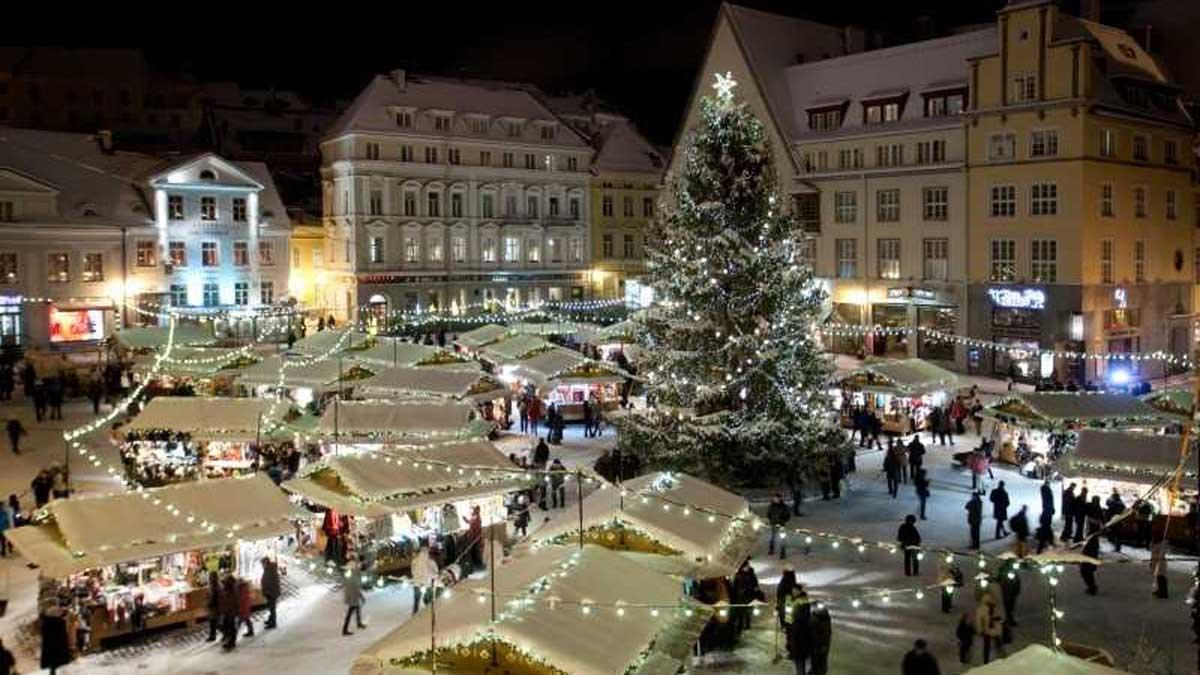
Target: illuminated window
(847, 258)
(1108, 143)
(266, 253)
(889, 258)
(936, 259)
(175, 207)
(241, 293)
(177, 253)
(412, 250)
(93, 267)
(487, 250)
(146, 253)
(208, 208)
(435, 249)
(376, 252)
(533, 252)
(1004, 260)
(208, 254)
(241, 254)
(1044, 261)
(458, 248)
(575, 249)
(512, 249)
(266, 292)
(58, 267)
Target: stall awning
(155, 337)
(298, 372)
(86, 532)
(557, 366)
(1052, 409)
(552, 328)
(706, 549)
(323, 341)
(1123, 455)
(1043, 661)
(394, 352)
(559, 633)
(623, 331)
(1171, 401)
(196, 362)
(418, 420)
(478, 337)
(457, 384)
(202, 418)
(901, 377)
(513, 349)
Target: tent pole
(579, 492)
(433, 627)
(492, 570)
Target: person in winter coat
(475, 537)
(891, 469)
(15, 431)
(1010, 590)
(1079, 513)
(921, 485)
(424, 573)
(1068, 504)
(541, 454)
(1000, 502)
(950, 578)
(558, 489)
(227, 605)
(1047, 493)
(989, 624)
(909, 539)
(916, 455)
(352, 595)
(1158, 566)
(974, 509)
(270, 589)
(1020, 528)
(1088, 570)
(965, 634)
(778, 515)
(1115, 506)
(245, 598)
(214, 605)
(918, 661)
(56, 648)
(821, 631)
(783, 597)
(799, 637)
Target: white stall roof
(1050, 408)
(1041, 660)
(322, 341)
(400, 419)
(448, 383)
(622, 331)
(903, 377)
(598, 643)
(484, 335)
(553, 328)
(566, 366)
(155, 337)
(298, 372)
(512, 349)
(1123, 455)
(396, 352)
(205, 362)
(201, 417)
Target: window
(175, 207)
(507, 160)
(433, 204)
(7, 212)
(530, 161)
(845, 207)
(178, 295)
(510, 206)
(266, 253)
(458, 248)
(1002, 146)
(1141, 149)
(574, 208)
(488, 250)
(485, 158)
(147, 253)
(847, 258)
(435, 249)
(1004, 201)
(547, 132)
(1004, 260)
(58, 267)
(552, 207)
(1139, 202)
(514, 129)
(456, 204)
(296, 257)
(239, 209)
(1044, 144)
(1043, 199)
(889, 258)
(241, 293)
(575, 249)
(628, 251)
(372, 150)
(211, 295)
(376, 249)
(406, 153)
(531, 206)
(825, 120)
(266, 292)
(606, 205)
(878, 113)
(889, 155)
(944, 105)
(431, 155)
(1139, 261)
(454, 156)
(1108, 143)
(1106, 261)
(412, 250)
(1170, 152)
(479, 125)
(93, 267)
(936, 259)
(1172, 208)
(9, 271)
(410, 203)
(404, 119)
(606, 246)
(887, 206)
(844, 158)
(1106, 200)
(935, 203)
(822, 160)
(208, 208)
(647, 207)
(177, 253)
(487, 205)
(1024, 87)
(1044, 261)
(533, 252)
(931, 152)
(375, 204)
(241, 254)
(512, 249)
(208, 254)
(441, 123)
(627, 203)
(554, 249)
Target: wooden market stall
(1073, 659)
(474, 386)
(180, 438)
(566, 379)
(204, 370)
(134, 562)
(303, 381)
(475, 339)
(902, 391)
(397, 353)
(149, 339)
(510, 350)
(361, 426)
(553, 636)
(387, 501)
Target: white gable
(13, 181)
(205, 170)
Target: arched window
(208, 174)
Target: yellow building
(307, 248)
(1080, 194)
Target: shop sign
(1018, 298)
(76, 325)
(910, 292)
(11, 299)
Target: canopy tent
(396, 352)
(317, 375)
(414, 420)
(323, 341)
(1171, 401)
(548, 328)
(482, 336)
(1056, 409)
(144, 338)
(622, 331)
(901, 377)
(1043, 661)
(650, 518)
(197, 362)
(556, 366)
(86, 532)
(513, 349)
(557, 636)
(378, 484)
(453, 384)
(1124, 456)
(202, 418)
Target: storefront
(1028, 323)
(11, 325)
(850, 342)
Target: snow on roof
(549, 328)
(622, 331)
(396, 352)
(623, 149)
(1057, 407)
(1123, 455)
(513, 348)
(93, 531)
(1175, 401)
(908, 377)
(705, 548)
(398, 419)
(205, 362)
(202, 417)
(155, 337)
(298, 373)
(431, 382)
(1043, 661)
(484, 335)
(895, 71)
(599, 643)
(325, 340)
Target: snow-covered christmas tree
(734, 372)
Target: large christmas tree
(734, 373)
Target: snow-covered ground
(1144, 634)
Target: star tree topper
(724, 86)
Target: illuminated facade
(307, 269)
(444, 193)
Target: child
(966, 637)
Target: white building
(82, 226)
(444, 193)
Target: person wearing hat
(270, 589)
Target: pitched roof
(621, 148)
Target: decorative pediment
(205, 170)
(16, 182)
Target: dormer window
(882, 111)
(208, 174)
(514, 129)
(479, 125)
(548, 132)
(404, 119)
(826, 119)
(441, 123)
(945, 103)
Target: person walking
(535, 414)
(974, 517)
(558, 489)
(933, 424)
(989, 625)
(910, 539)
(1114, 507)
(821, 629)
(56, 645)
(1144, 513)
(1079, 513)
(778, 515)
(1068, 503)
(214, 605)
(227, 605)
(1000, 502)
(7, 382)
(919, 661)
(891, 470)
(1087, 570)
(541, 454)
(921, 484)
(39, 400)
(1047, 494)
(783, 597)
(352, 595)
(54, 395)
(965, 634)
(799, 638)
(270, 589)
(95, 391)
(523, 410)
(1020, 528)
(1045, 531)
(424, 572)
(245, 604)
(587, 418)
(1158, 566)
(916, 455)
(1009, 581)
(15, 431)
(950, 578)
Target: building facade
(452, 194)
(307, 270)
(1082, 197)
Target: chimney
(104, 140)
(398, 77)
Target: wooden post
(492, 574)
(579, 491)
(433, 627)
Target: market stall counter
(567, 378)
(901, 391)
(138, 561)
